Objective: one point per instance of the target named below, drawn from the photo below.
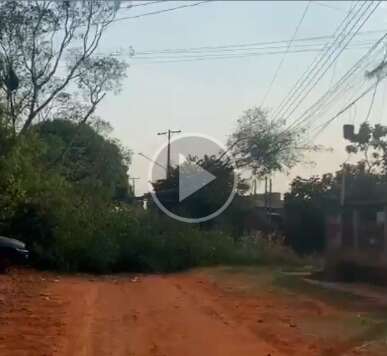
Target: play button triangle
(192, 178)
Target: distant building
(356, 238)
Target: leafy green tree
(49, 67)
(86, 158)
(310, 189)
(263, 145)
(305, 207)
(311, 199)
(371, 142)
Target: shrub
(266, 249)
(129, 239)
(70, 228)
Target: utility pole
(133, 179)
(266, 197)
(343, 186)
(270, 192)
(169, 133)
(254, 190)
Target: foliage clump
(264, 145)
(75, 225)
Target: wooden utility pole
(254, 190)
(169, 133)
(266, 197)
(133, 179)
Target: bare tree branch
(38, 37)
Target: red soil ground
(176, 315)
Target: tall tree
(305, 207)
(48, 61)
(263, 145)
(371, 142)
(92, 161)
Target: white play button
(192, 178)
(188, 190)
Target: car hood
(12, 243)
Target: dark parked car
(11, 252)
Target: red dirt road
(178, 315)
(154, 316)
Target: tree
(311, 199)
(49, 67)
(371, 142)
(92, 161)
(262, 145)
(310, 189)
(305, 207)
(6, 137)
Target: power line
(286, 52)
(297, 86)
(161, 60)
(356, 68)
(362, 95)
(234, 48)
(310, 80)
(229, 46)
(246, 50)
(335, 57)
(316, 129)
(243, 45)
(333, 91)
(372, 100)
(376, 86)
(157, 12)
(145, 3)
(337, 97)
(320, 3)
(289, 99)
(151, 160)
(309, 113)
(354, 101)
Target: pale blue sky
(208, 96)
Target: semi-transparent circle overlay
(185, 145)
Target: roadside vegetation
(311, 199)
(64, 179)
(77, 213)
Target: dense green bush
(127, 239)
(111, 239)
(70, 228)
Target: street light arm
(151, 160)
